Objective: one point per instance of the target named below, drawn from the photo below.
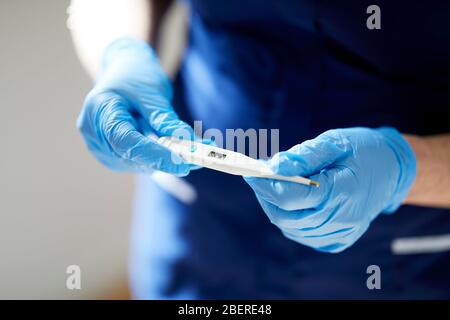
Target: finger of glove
(286, 219)
(147, 130)
(305, 222)
(327, 245)
(167, 123)
(119, 129)
(311, 156)
(290, 195)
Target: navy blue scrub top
(303, 67)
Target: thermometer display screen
(217, 155)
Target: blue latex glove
(362, 172)
(131, 99)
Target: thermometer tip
(314, 183)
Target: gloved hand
(362, 172)
(131, 99)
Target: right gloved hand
(131, 99)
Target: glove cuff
(407, 166)
(125, 48)
(136, 58)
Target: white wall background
(58, 206)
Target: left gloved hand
(362, 172)
(131, 99)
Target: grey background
(58, 206)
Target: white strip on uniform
(418, 245)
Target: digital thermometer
(225, 160)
